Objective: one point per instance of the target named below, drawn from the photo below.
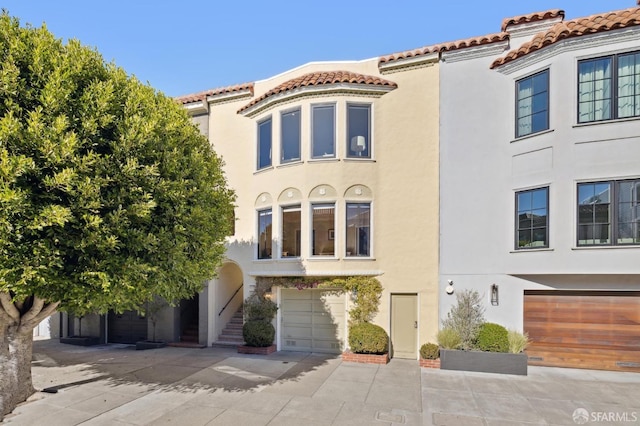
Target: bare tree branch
(8, 307)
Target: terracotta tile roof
(574, 28)
(532, 17)
(319, 79)
(200, 96)
(445, 47)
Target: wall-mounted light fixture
(494, 295)
(449, 288)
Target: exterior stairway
(232, 333)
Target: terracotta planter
(243, 349)
(485, 362)
(430, 363)
(365, 358)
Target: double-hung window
(264, 143)
(609, 87)
(264, 234)
(609, 213)
(532, 218)
(323, 133)
(291, 231)
(358, 131)
(290, 132)
(532, 104)
(323, 232)
(358, 229)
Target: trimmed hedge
(367, 338)
(493, 338)
(429, 351)
(258, 333)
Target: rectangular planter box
(145, 344)
(430, 363)
(80, 340)
(365, 358)
(486, 362)
(256, 351)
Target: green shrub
(259, 308)
(430, 351)
(465, 317)
(493, 338)
(518, 342)
(448, 338)
(258, 333)
(367, 338)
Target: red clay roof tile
(574, 28)
(319, 79)
(532, 17)
(200, 96)
(446, 47)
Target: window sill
(263, 260)
(613, 120)
(532, 250)
(290, 259)
(263, 170)
(290, 164)
(317, 258)
(355, 258)
(324, 160)
(605, 247)
(356, 160)
(533, 135)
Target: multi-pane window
(609, 213)
(532, 218)
(264, 143)
(291, 231)
(358, 131)
(358, 229)
(323, 135)
(609, 87)
(532, 104)
(323, 230)
(264, 234)
(290, 131)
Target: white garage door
(312, 321)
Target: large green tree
(109, 195)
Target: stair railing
(230, 299)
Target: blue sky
(190, 46)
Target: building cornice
(407, 64)
(493, 49)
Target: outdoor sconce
(494, 294)
(449, 288)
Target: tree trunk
(17, 321)
(15, 367)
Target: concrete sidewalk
(116, 385)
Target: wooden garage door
(312, 321)
(599, 330)
(127, 327)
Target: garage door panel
(584, 329)
(312, 320)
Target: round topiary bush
(258, 333)
(367, 338)
(493, 338)
(430, 351)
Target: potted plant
(151, 311)
(369, 343)
(258, 331)
(430, 355)
(469, 343)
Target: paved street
(116, 385)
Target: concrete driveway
(116, 385)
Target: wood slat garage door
(312, 321)
(599, 330)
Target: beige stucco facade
(398, 180)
